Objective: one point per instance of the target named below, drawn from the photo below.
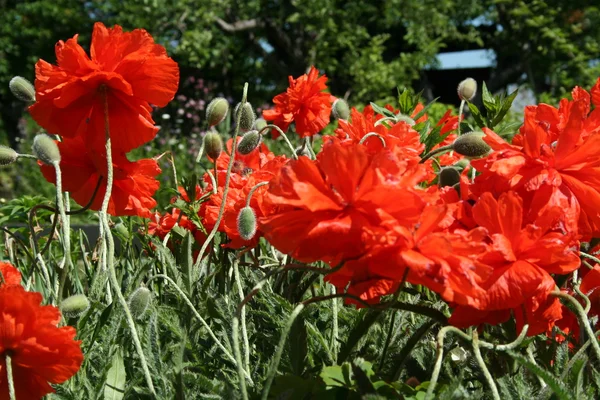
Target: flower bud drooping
(260, 124)
(213, 144)
(7, 155)
(246, 223)
(216, 111)
(448, 176)
(46, 149)
(340, 109)
(139, 301)
(467, 89)
(247, 117)
(471, 144)
(22, 89)
(74, 306)
(249, 142)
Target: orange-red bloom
(304, 103)
(10, 275)
(134, 183)
(40, 352)
(126, 72)
(161, 225)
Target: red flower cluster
(83, 97)
(40, 352)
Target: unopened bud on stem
(139, 301)
(249, 142)
(22, 89)
(246, 223)
(471, 144)
(46, 149)
(467, 89)
(213, 144)
(247, 116)
(7, 155)
(216, 111)
(74, 306)
(448, 176)
(340, 109)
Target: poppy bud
(46, 149)
(340, 109)
(448, 177)
(246, 223)
(74, 306)
(405, 118)
(247, 116)
(216, 111)
(249, 142)
(260, 124)
(7, 155)
(461, 164)
(471, 144)
(22, 89)
(467, 89)
(213, 144)
(139, 301)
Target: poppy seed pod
(247, 116)
(467, 89)
(213, 144)
(139, 301)
(340, 109)
(260, 124)
(22, 89)
(471, 144)
(246, 223)
(7, 155)
(74, 306)
(249, 142)
(448, 177)
(216, 111)
(46, 149)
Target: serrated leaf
(489, 102)
(369, 317)
(506, 105)
(476, 115)
(114, 388)
(382, 110)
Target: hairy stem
(484, 369)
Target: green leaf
(382, 110)
(114, 388)
(369, 317)
(298, 346)
(334, 376)
(102, 321)
(506, 105)
(476, 115)
(489, 102)
(425, 109)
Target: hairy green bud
(46, 149)
(216, 111)
(22, 89)
(213, 145)
(246, 223)
(260, 124)
(461, 164)
(448, 177)
(247, 116)
(471, 144)
(250, 141)
(7, 155)
(74, 306)
(139, 301)
(340, 109)
(467, 89)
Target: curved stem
(285, 138)
(371, 134)
(508, 346)
(9, 378)
(432, 153)
(439, 359)
(310, 148)
(251, 192)
(277, 358)
(586, 300)
(385, 119)
(213, 232)
(591, 257)
(483, 367)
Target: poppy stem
(432, 153)
(251, 192)
(335, 328)
(279, 351)
(9, 377)
(284, 136)
(371, 134)
(589, 256)
(460, 113)
(238, 357)
(66, 233)
(213, 232)
(484, 369)
(238, 282)
(110, 248)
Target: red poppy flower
(129, 67)
(324, 206)
(555, 157)
(41, 353)
(304, 103)
(522, 258)
(10, 275)
(134, 183)
(161, 225)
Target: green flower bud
(467, 89)
(340, 109)
(260, 124)
(448, 177)
(246, 223)
(22, 89)
(405, 118)
(216, 111)
(213, 145)
(249, 142)
(74, 306)
(247, 117)
(471, 144)
(7, 155)
(461, 164)
(139, 301)
(46, 149)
